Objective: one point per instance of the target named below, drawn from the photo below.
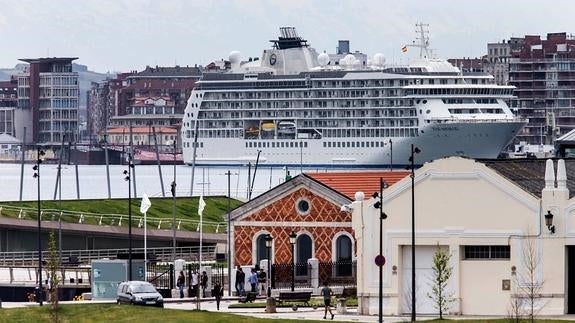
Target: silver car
(139, 293)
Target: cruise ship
(293, 106)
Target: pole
(130, 215)
(174, 208)
(158, 161)
(194, 160)
(40, 290)
(145, 248)
(413, 312)
(23, 148)
(254, 178)
(229, 174)
(382, 216)
(269, 277)
(77, 175)
(133, 165)
(390, 155)
(292, 267)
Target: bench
(294, 297)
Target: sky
(124, 35)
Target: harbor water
(92, 183)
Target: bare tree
(439, 279)
(527, 281)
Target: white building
(485, 215)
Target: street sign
(379, 260)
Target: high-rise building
(498, 57)
(8, 103)
(543, 72)
(48, 98)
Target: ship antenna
(423, 40)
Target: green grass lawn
(85, 313)
(123, 313)
(110, 211)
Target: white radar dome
(323, 59)
(235, 57)
(378, 59)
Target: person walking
(195, 283)
(204, 283)
(326, 292)
(254, 280)
(181, 283)
(218, 292)
(240, 281)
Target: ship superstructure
(294, 107)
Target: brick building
(543, 70)
(309, 205)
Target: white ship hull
(475, 140)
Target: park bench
(294, 297)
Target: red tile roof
(348, 183)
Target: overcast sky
(121, 35)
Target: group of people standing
(197, 281)
(257, 280)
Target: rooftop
(48, 60)
(348, 183)
(529, 174)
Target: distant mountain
(85, 76)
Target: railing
(76, 257)
(282, 276)
(72, 276)
(338, 273)
(160, 275)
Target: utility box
(108, 274)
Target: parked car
(139, 293)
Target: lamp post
(292, 239)
(128, 178)
(269, 242)
(414, 150)
(381, 261)
(173, 190)
(39, 154)
(390, 155)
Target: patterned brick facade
(280, 217)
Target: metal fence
(282, 276)
(160, 275)
(76, 257)
(338, 273)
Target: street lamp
(269, 242)
(414, 150)
(128, 178)
(292, 238)
(173, 190)
(39, 154)
(380, 259)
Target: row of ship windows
(283, 144)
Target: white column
(314, 263)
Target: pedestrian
(326, 292)
(204, 283)
(218, 292)
(262, 281)
(195, 282)
(181, 283)
(240, 281)
(254, 280)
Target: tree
(441, 273)
(528, 283)
(53, 280)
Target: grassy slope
(186, 208)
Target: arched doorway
(304, 251)
(343, 259)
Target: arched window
(343, 252)
(261, 250)
(304, 252)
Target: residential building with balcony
(48, 101)
(8, 103)
(543, 72)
